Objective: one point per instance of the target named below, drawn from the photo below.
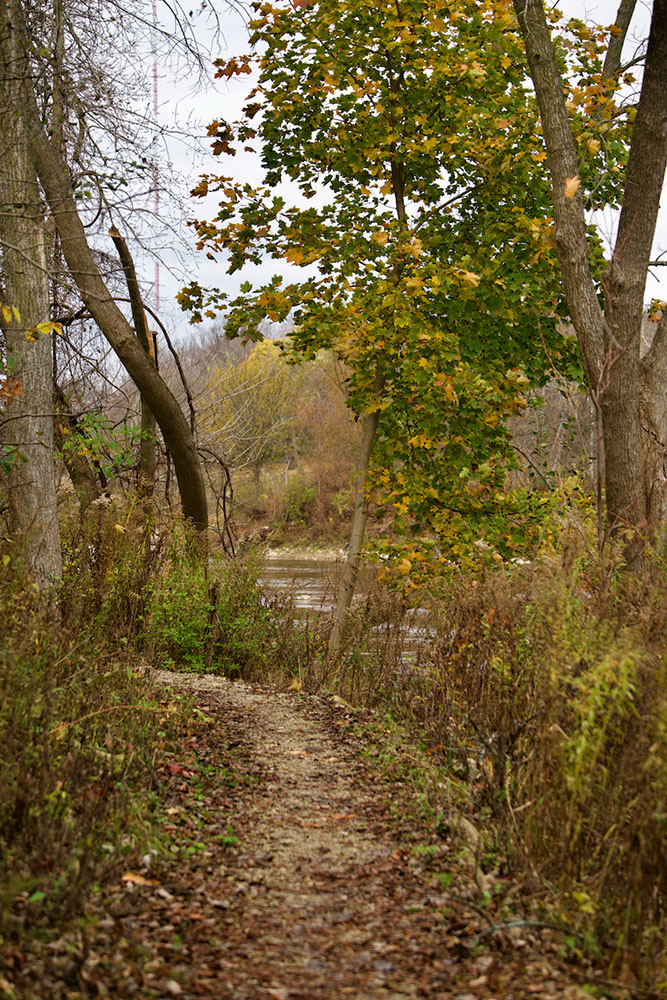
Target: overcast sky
(195, 107)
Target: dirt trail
(317, 920)
(321, 899)
(285, 871)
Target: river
(311, 578)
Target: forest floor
(292, 872)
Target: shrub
(214, 615)
(76, 737)
(299, 500)
(554, 690)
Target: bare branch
(612, 62)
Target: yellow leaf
(48, 326)
(380, 238)
(294, 255)
(415, 285)
(572, 185)
(134, 879)
(470, 279)
(593, 145)
(7, 314)
(405, 566)
(120, 529)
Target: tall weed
(77, 735)
(545, 689)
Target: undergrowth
(77, 739)
(541, 698)
(544, 695)
(81, 726)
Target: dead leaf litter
(287, 876)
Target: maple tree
(424, 233)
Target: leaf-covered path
(291, 878)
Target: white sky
(224, 99)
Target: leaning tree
(58, 93)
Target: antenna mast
(156, 168)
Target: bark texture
(147, 453)
(28, 418)
(120, 335)
(359, 519)
(630, 389)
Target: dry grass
(546, 690)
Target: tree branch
(570, 224)
(612, 62)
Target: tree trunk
(98, 300)
(28, 418)
(654, 424)
(360, 517)
(147, 451)
(625, 285)
(87, 482)
(56, 183)
(628, 388)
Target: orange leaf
(572, 185)
(134, 879)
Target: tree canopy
(422, 226)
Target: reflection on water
(312, 581)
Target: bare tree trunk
(654, 424)
(147, 450)
(55, 179)
(28, 419)
(360, 517)
(88, 481)
(627, 496)
(177, 435)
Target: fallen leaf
(135, 879)
(7, 987)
